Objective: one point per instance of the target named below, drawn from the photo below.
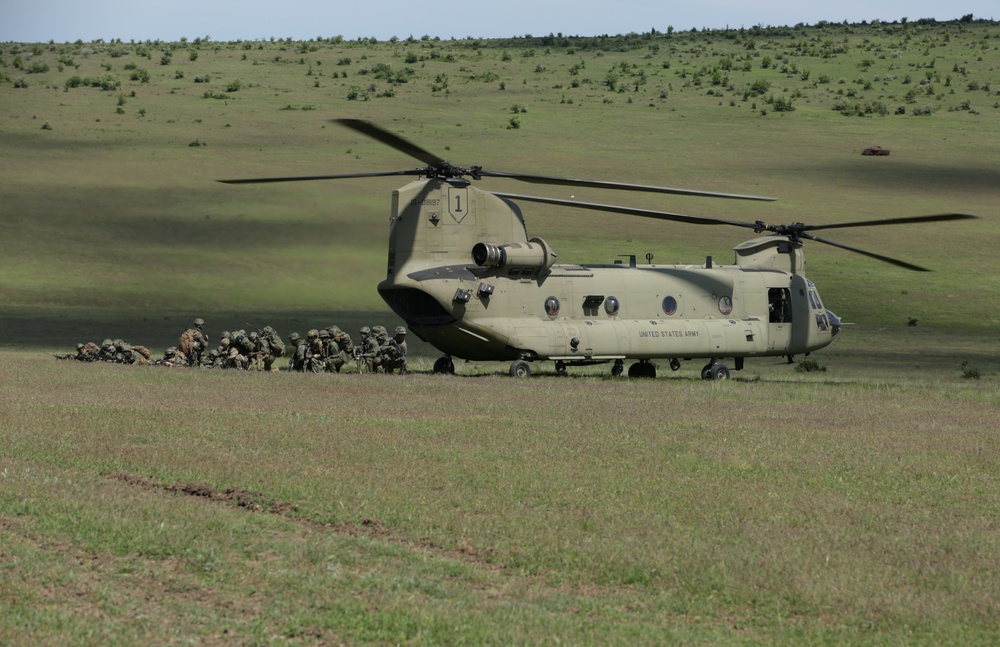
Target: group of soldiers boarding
(321, 350)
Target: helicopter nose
(834, 323)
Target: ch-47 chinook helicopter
(464, 276)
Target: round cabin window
(611, 306)
(669, 306)
(726, 305)
(552, 306)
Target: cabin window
(779, 305)
(725, 305)
(669, 305)
(611, 306)
(552, 306)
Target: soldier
(212, 360)
(297, 348)
(172, 357)
(369, 350)
(394, 352)
(194, 342)
(88, 352)
(315, 352)
(107, 352)
(241, 349)
(268, 347)
(335, 355)
(223, 347)
(343, 340)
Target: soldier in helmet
(172, 357)
(394, 353)
(336, 357)
(269, 347)
(194, 342)
(297, 350)
(212, 359)
(369, 350)
(315, 351)
(241, 350)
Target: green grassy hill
(109, 152)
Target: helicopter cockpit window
(725, 305)
(611, 306)
(779, 305)
(552, 306)
(669, 305)
(815, 301)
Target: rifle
(359, 358)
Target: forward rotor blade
(880, 257)
(390, 139)
(609, 208)
(941, 217)
(621, 186)
(306, 178)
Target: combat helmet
(294, 337)
(400, 330)
(199, 322)
(365, 331)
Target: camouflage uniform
(332, 352)
(315, 352)
(213, 359)
(88, 352)
(394, 353)
(369, 350)
(271, 347)
(297, 348)
(194, 342)
(172, 357)
(241, 349)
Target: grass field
(856, 504)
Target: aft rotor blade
(620, 186)
(391, 139)
(305, 178)
(610, 208)
(884, 259)
(941, 217)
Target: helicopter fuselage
(465, 278)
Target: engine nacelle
(535, 254)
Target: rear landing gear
(444, 366)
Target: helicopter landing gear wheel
(642, 369)
(719, 372)
(715, 371)
(675, 364)
(618, 368)
(561, 368)
(520, 368)
(444, 366)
